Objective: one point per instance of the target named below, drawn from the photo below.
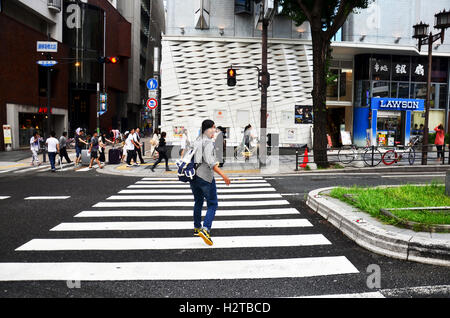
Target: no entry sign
(152, 103)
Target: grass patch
(371, 200)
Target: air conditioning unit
(54, 5)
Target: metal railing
(373, 156)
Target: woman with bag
(162, 150)
(154, 143)
(203, 185)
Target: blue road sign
(152, 84)
(47, 63)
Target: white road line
(122, 244)
(132, 226)
(4, 197)
(84, 169)
(359, 295)
(187, 186)
(414, 176)
(134, 204)
(176, 179)
(181, 213)
(217, 182)
(32, 169)
(180, 191)
(191, 196)
(48, 198)
(207, 270)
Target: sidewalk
(278, 165)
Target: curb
(376, 239)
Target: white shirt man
(53, 148)
(129, 142)
(34, 146)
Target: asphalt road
(25, 220)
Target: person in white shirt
(130, 145)
(154, 142)
(34, 147)
(185, 142)
(52, 149)
(137, 147)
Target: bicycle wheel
(368, 159)
(346, 154)
(390, 157)
(411, 153)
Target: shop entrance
(29, 123)
(390, 128)
(335, 123)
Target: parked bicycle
(400, 152)
(370, 155)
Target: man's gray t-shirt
(94, 142)
(205, 156)
(62, 142)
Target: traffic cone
(305, 159)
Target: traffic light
(231, 77)
(108, 59)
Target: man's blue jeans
(204, 190)
(51, 158)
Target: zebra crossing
(44, 168)
(155, 214)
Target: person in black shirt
(162, 150)
(79, 145)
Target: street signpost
(47, 46)
(152, 84)
(152, 103)
(47, 63)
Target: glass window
(443, 94)
(345, 85)
(439, 70)
(333, 85)
(380, 89)
(362, 66)
(362, 93)
(403, 90)
(420, 91)
(242, 6)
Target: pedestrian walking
(137, 139)
(203, 185)
(103, 142)
(63, 148)
(52, 149)
(34, 147)
(439, 141)
(154, 143)
(80, 143)
(130, 146)
(185, 142)
(220, 145)
(94, 146)
(162, 150)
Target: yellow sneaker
(206, 236)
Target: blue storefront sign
(398, 104)
(365, 119)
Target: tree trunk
(321, 49)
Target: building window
(340, 86)
(242, 6)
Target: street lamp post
(442, 22)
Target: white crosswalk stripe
(249, 204)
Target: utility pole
(49, 84)
(264, 85)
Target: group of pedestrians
(54, 146)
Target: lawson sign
(398, 104)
